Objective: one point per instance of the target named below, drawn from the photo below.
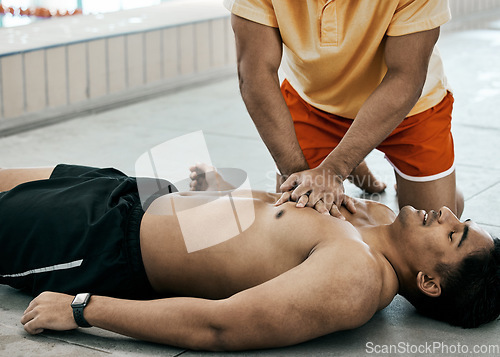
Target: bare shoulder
(353, 280)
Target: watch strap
(79, 319)
(78, 316)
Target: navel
(280, 214)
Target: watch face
(80, 300)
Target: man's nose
(447, 215)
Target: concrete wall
(57, 81)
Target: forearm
(266, 105)
(383, 111)
(182, 322)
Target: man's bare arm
(407, 58)
(259, 50)
(306, 302)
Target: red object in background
(42, 12)
(46, 12)
(25, 12)
(39, 12)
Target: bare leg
(431, 195)
(363, 178)
(10, 178)
(205, 178)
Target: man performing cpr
(290, 276)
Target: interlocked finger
(285, 197)
(349, 204)
(335, 212)
(303, 200)
(329, 200)
(314, 198)
(321, 208)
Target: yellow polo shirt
(333, 52)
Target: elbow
(231, 339)
(247, 78)
(253, 78)
(414, 82)
(241, 79)
(214, 339)
(222, 340)
(218, 340)
(418, 85)
(246, 71)
(416, 93)
(409, 88)
(246, 86)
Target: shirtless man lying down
(292, 275)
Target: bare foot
(205, 178)
(363, 178)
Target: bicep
(410, 54)
(257, 46)
(301, 304)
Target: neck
(382, 240)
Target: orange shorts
(419, 149)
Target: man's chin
(404, 213)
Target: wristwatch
(79, 303)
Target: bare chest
(230, 257)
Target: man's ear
(428, 285)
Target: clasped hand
(319, 189)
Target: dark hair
(470, 293)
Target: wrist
(287, 170)
(336, 169)
(78, 305)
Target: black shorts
(78, 231)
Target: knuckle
(43, 295)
